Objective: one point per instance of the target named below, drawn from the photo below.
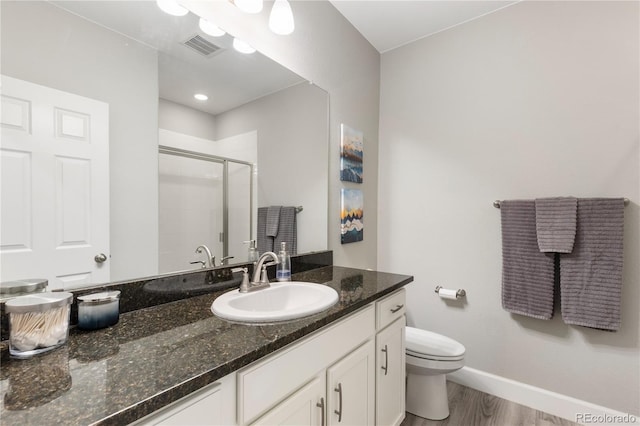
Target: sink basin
(280, 302)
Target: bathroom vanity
(177, 363)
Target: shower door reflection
(203, 200)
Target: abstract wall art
(351, 147)
(351, 216)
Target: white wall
(292, 136)
(48, 46)
(538, 99)
(182, 119)
(330, 52)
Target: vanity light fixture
(172, 7)
(201, 96)
(249, 6)
(242, 46)
(211, 29)
(281, 18)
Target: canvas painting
(351, 147)
(351, 216)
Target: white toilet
(430, 357)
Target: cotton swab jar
(38, 323)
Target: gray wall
(292, 150)
(328, 51)
(46, 45)
(182, 119)
(538, 99)
(292, 154)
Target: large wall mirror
(112, 170)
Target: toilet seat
(433, 357)
(428, 345)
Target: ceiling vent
(202, 45)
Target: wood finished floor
(469, 407)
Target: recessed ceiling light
(172, 7)
(201, 96)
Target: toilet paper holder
(459, 293)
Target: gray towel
(527, 274)
(591, 276)
(556, 224)
(264, 243)
(287, 230)
(273, 220)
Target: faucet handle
(264, 277)
(245, 285)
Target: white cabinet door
(390, 374)
(351, 387)
(306, 407)
(54, 227)
(213, 405)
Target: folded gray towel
(527, 274)
(556, 224)
(591, 275)
(273, 220)
(287, 230)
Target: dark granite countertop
(157, 355)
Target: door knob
(100, 258)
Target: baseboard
(553, 403)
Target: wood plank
(469, 407)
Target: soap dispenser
(253, 255)
(283, 269)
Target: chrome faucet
(211, 260)
(260, 270)
(260, 278)
(224, 260)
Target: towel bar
(496, 203)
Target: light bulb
(172, 7)
(249, 6)
(201, 96)
(281, 18)
(211, 29)
(242, 46)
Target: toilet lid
(425, 342)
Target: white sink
(282, 301)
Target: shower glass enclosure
(203, 199)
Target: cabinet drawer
(264, 383)
(390, 308)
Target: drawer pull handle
(396, 309)
(339, 410)
(386, 360)
(321, 406)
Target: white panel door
(55, 186)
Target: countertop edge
(175, 393)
